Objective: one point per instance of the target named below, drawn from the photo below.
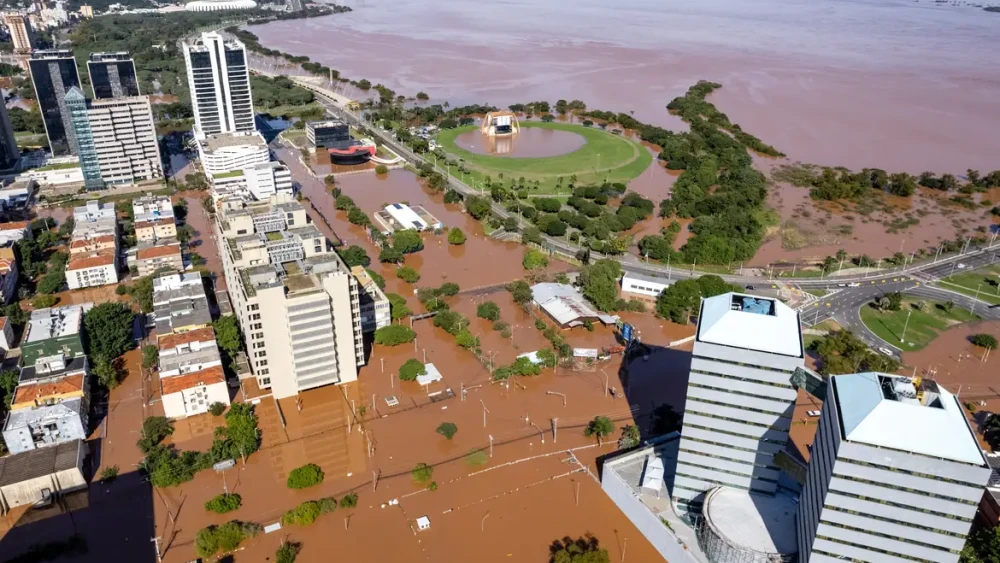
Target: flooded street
(531, 142)
(853, 83)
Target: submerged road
(850, 292)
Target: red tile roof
(38, 391)
(174, 340)
(158, 251)
(102, 258)
(85, 242)
(14, 225)
(178, 383)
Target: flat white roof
(750, 322)
(431, 376)
(762, 523)
(632, 276)
(936, 429)
(402, 214)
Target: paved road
(849, 292)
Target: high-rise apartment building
(53, 73)
(220, 85)
(9, 153)
(116, 139)
(297, 302)
(739, 398)
(896, 473)
(20, 32)
(112, 75)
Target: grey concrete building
(740, 397)
(896, 474)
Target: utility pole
(156, 543)
(491, 445)
(485, 412)
(578, 493)
(905, 324)
(375, 477)
(605, 382)
(555, 429)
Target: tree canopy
(600, 283)
(394, 335)
(108, 330)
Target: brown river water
(893, 84)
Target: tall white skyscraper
(896, 474)
(739, 398)
(220, 85)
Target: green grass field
(983, 279)
(924, 326)
(604, 157)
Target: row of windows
(737, 434)
(913, 473)
(892, 521)
(693, 464)
(900, 505)
(746, 365)
(727, 446)
(729, 472)
(889, 536)
(778, 427)
(724, 458)
(720, 483)
(905, 489)
(733, 392)
(870, 548)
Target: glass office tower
(112, 75)
(53, 73)
(76, 105)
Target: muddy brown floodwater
(531, 142)
(893, 84)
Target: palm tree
(883, 303)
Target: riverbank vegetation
(832, 184)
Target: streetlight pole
(905, 324)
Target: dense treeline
(718, 187)
(270, 93)
(839, 183)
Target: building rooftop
(24, 417)
(226, 140)
(93, 260)
(40, 462)
(751, 521)
(198, 44)
(34, 391)
(14, 226)
(189, 358)
(911, 415)
(52, 54)
(645, 278)
(179, 301)
(85, 242)
(54, 322)
(169, 341)
(51, 367)
(565, 304)
(325, 123)
(110, 57)
(178, 383)
(158, 251)
(751, 323)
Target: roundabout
(547, 155)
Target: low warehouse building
(36, 476)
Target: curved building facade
(737, 526)
(209, 6)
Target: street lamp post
(905, 324)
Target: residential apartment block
(191, 374)
(94, 246)
(896, 473)
(152, 257)
(219, 80)
(222, 155)
(297, 302)
(14, 231)
(180, 304)
(153, 218)
(54, 331)
(739, 398)
(20, 32)
(375, 312)
(8, 273)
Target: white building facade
(896, 474)
(267, 179)
(228, 154)
(125, 141)
(645, 286)
(220, 85)
(739, 398)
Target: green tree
(350, 500)
(379, 280)
(390, 255)
(398, 307)
(895, 300)
(520, 291)
(629, 437)
(547, 356)
(585, 549)
(9, 378)
(217, 408)
(154, 430)
(477, 206)
(600, 426)
(225, 538)
(329, 180)
(357, 217)
(381, 169)
(982, 547)
(304, 514)
(306, 476)
(466, 339)
(106, 372)
(150, 356)
(108, 330)
(408, 274)
(226, 502)
(355, 256)
(407, 241)
(227, 335)
(422, 473)
(447, 429)
(343, 203)
(394, 335)
(600, 283)
(44, 301)
(534, 259)
(287, 552)
(240, 436)
(488, 310)
(411, 369)
(984, 340)
(456, 236)
(53, 282)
